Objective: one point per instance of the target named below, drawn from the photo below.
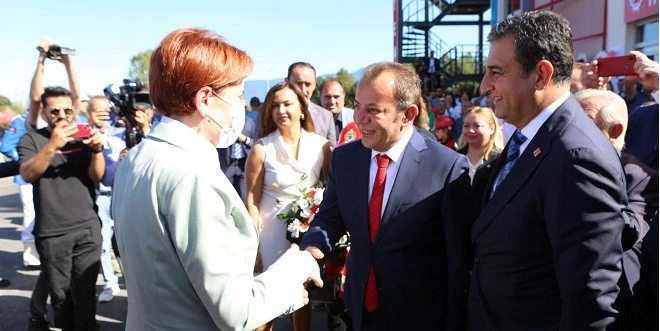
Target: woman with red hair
(187, 243)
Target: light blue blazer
(187, 243)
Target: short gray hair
(407, 85)
(606, 109)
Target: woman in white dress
(288, 158)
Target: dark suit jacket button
(476, 259)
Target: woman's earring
(302, 117)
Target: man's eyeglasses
(56, 111)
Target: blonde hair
(422, 119)
(496, 140)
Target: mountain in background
(259, 88)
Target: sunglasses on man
(56, 111)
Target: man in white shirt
(332, 98)
(398, 195)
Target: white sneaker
(109, 293)
(30, 256)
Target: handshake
(310, 257)
(304, 267)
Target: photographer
(64, 171)
(642, 136)
(37, 85)
(37, 119)
(131, 103)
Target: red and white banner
(636, 10)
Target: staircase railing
(463, 60)
(413, 43)
(418, 40)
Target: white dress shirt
(533, 127)
(530, 130)
(394, 154)
(472, 168)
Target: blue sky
(106, 34)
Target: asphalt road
(15, 299)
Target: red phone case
(83, 131)
(617, 66)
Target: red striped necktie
(375, 207)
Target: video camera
(128, 98)
(125, 101)
(55, 52)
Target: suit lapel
(410, 160)
(527, 163)
(362, 163)
(522, 170)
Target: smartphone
(84, 131)
(617, 66)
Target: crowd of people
(530, 206)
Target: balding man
(303, 75)
(610, 113)
(333, 97)
(399, 195)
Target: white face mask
(228, 136)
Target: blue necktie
(237, 151)
(511, 157)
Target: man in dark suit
(232, 159)
(548, 240)
(432, 74)
(399, 195)
(642, 136)
(303, 75)
(610, 114)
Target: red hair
(189, 59)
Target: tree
(316, 94)
(350, 85)
(4, 101)
(467, 64)
(346, 79)
(139, 68)
(18, 107)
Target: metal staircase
(416, 40)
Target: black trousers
(39, 298)
(70, 264)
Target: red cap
(442, 121)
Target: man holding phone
(67, 233)
(597, 74)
